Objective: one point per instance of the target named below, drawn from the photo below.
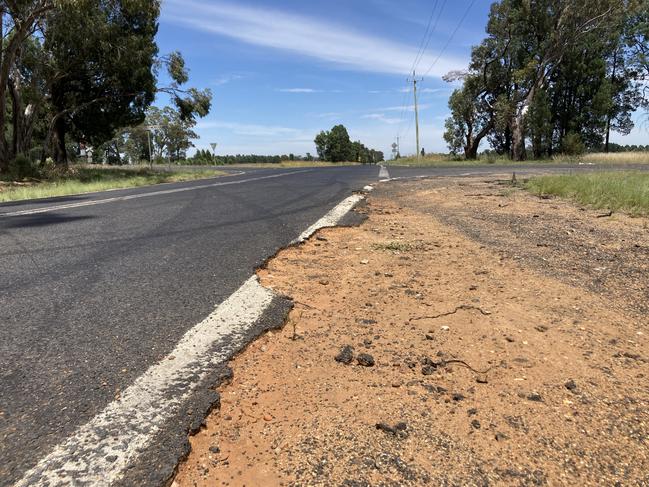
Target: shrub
(22, 168)
(572, 145)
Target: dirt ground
(507, 343)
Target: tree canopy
(550, 71)
(80, 71)
(335, 145)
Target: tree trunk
(518, 138)
(60, 151)
(473, 143)
(609, 117)
(471, 152)
(4, 161)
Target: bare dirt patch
(476, 355)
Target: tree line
(552, 76)
(204, 157)
(335, 145)
(78, 72)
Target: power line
(427, 34)
(452, 36)
(430, 36)
(425, 42)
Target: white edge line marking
(384, 175)
(99, 452)
(332, 218)
(48, 209)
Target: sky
(283, 70)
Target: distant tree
(335, 145)
(171, 135)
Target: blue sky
(282, 70)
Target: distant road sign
(213, 145)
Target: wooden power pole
(414, 82)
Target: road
(97, 290)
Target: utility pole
(414, 82)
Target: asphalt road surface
(97, 289)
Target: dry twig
(465, 307)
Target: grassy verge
(621, 158)
(617, 158)
(619, 191)
(79, 180)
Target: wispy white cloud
(225, 79)
(381, 117)
(422, 90)
(299, 90)
(330, 115)
(407, 108)
(251, 130)
(329, 42)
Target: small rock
(501, 437)
(400, 429)
(458, 397)
(367, 343)
(541, 328)
(535, 397)
(476, 424)
(386, 428)
(346, 355)
(365, 261)
(268, 417)
(428, 369)
(482, 380)
(215, 449)
(324, 282)
(472, 412)
(366, 360)
(430, 337)
(320, 238)
(571, 385)
(445, 328)
(510, 339)
(367, 322)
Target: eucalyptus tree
(81, 70)
(19, 19)
(100, 69)
(546, 68)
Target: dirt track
(535, 374)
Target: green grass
(79, 180)
(615, 191)
(396, 247)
